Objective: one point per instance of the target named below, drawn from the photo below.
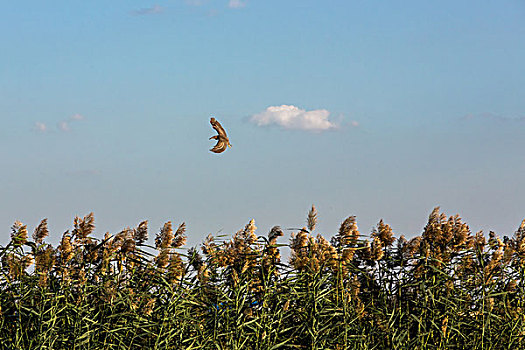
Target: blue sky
(377, 109)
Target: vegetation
(445, 289)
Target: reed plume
(312, 219)
(41, 232)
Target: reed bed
(448, 288)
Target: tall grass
(445, 289)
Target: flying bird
(222, 139)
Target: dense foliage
(445, 289)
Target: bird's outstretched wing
(220, 146)
(222, 139)
(218, 127)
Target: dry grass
(445, 289)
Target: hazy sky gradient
(105, 106)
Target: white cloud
(354, 123)
(291, 117)
(40, 127)
(235, 4)
(155, 9)
(64, 125)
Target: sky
(379, 109)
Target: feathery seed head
(41, 232)
(274, 233)
(65, 248)
(128, 245)
(249, 232)
(141, 233)
(175, 268)
(15, 265)
(348, 234)
(165, 237)
(84, 227)
(44, 259)
(312, 219)
(299, 244)
(480, 241)
(377, 251)
(195, 259)
(162, 259)
(384, 233)
(209, 247)
(348, 254)
(19, 233)
(180, 237)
